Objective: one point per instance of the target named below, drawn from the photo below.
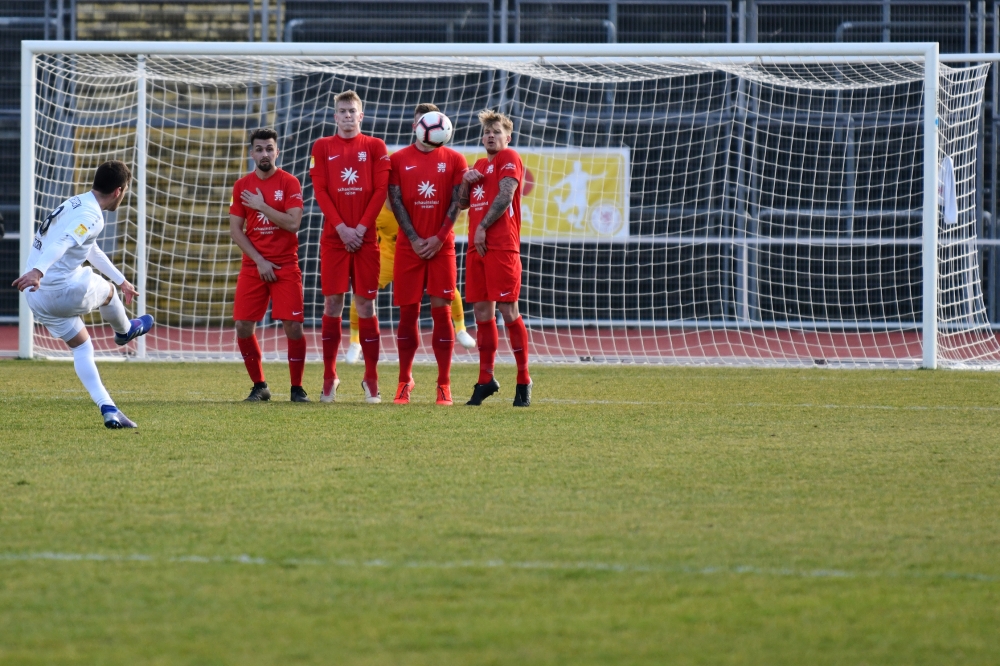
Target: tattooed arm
(468, 178)
(506, 195)
(500, 204)
(399, 210)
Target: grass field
(630, 516)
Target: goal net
(708, 209)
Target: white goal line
(528, 565)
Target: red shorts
(412, 275)
(253, 294)
(340, 269)
(495, 277)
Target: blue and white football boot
(114, 419)
(139, 327)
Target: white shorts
(59, 308)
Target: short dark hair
(425, 107)
(111, 175)
(263, 134)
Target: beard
(265, 165)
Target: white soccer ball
(434, 129)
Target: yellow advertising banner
(568, 193)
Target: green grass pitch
(632, 515)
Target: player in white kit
(60, 288)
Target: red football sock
(487, 339)
(443, 342)
(407, 339)
(370, 345)
(331, 345)
(296, 359)
(517, 334)
(251, 358)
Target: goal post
(929, 258)
(761, 204)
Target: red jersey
(426, 181)
(282, 192)
(350, 179)
(505, 233)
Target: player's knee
(509, 311)
(77, 339)
(484, 310)
(333, 306)
(293, 329)
(244, 329)
(366, 307)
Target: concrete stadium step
(207, 21)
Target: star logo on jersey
(279, 195)
(489, 169)
(426, 188)
(441, 167)
(349, 176)
(479, 192)
(362, 156)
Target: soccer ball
(433, 128)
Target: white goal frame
(820, 53)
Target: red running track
(664, 345)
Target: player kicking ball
(264, 219)
(350, 175)
(423, 192)
(491, 190)
(59, 288)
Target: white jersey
(78, 219)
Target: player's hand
(254, 201)
(359, 233)
(428, 247)
(266, 270)
(472, 176)
(479, 240)
(29, 280)
(349, 237)
(128, 292)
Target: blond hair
(349, 96)
(489, 117)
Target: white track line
(496, 564)
(770, 405)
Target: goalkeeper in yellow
(386, 230)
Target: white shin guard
(86, 370)
(114, 313)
